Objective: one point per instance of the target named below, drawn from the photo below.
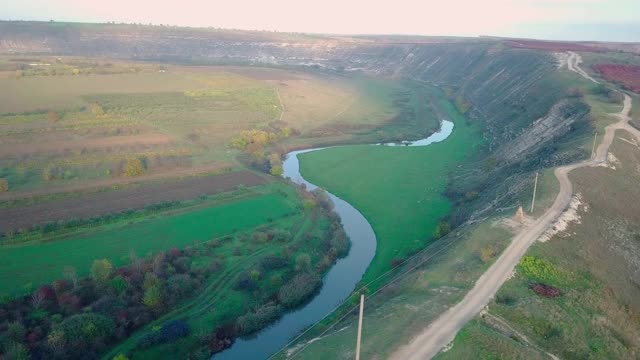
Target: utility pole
(593, 148)
(360, 327)
(535, 187)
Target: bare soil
(91, 205)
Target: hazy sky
(558, 19)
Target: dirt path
(443, 330)
(573, 63)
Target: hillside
(230, 100)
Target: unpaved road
(573, 63)
(443, 330)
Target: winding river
(339, 282)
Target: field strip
(443, 330)
(14, 150)
(102, 203)
(97, 185)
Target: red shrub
(47, 292)
(545, 290)
(626, 75)
(61, 286)
(175, 252)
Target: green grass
(398, 189)
(41, 262)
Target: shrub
(170, 331)
(15, 331)
(16, 351)
(506, 299)
(340, 243)
(4, 185)
(471, 195)
(442, 229)
(273, 262)
(101, 270)
(179, 286)
(299, 289)
(245, 282)
(538, 269)
(487, 253)
(87, 326)
(134, 167)
(545, 290)
(303, 263)
(118, 284)
(258, 319)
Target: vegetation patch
(626, 75)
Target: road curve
(443, 330)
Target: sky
(613, 20)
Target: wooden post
(535, 187)
(360, 327)
(593, 148)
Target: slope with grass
(592, 261)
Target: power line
(397, 277)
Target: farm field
(34, 263)
(91, 205)
(63, 128)
(402, 195)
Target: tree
(70, 274)
(101, 270)
(4, 185)
(152, 295)
(276, 165)
(118, 284)
(37, 299)
(134, 167)
(97, 110)
(303, 263)
(120, 357)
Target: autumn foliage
(626, 75)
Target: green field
(398, 189)
(32, 264)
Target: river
(339, 282)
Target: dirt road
(443, 330)
(573, 63)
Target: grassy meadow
(398, 189)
